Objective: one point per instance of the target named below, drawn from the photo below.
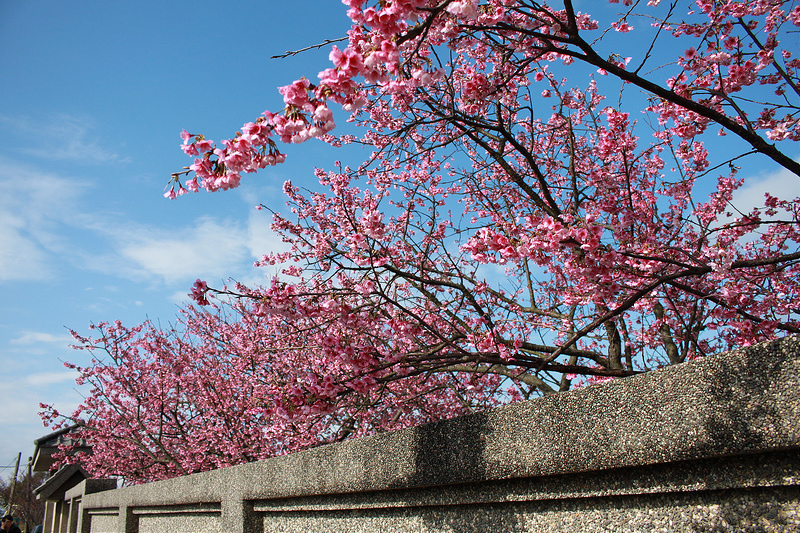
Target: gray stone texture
(710, 445)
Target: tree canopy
(547, 204)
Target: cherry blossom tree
(547, 204)
(609, 253)
(215, 392)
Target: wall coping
(740, 402)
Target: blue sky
(92, 101)
(93, 96)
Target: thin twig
(307, 48)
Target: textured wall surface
(710, 445)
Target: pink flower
(297, 93)
(204, 145)
(463, 8)
(190, 149)
(349, 61)
(198, 294)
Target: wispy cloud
(33, 208)
(43, 379)
(22, 360)
(62, 137)
(20, 411)
(20, 258)
(38, 337)
(209, 248)
(46, 222)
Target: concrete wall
(711, 445)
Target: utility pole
(13, 486)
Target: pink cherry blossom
(499, 241)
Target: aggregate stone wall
(710, 445)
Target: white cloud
(62, 137)
(50, 222)
(20, 411)
(43, 379)
(33, 207)
(210, 248)
(40, 213)
(261, 238)
(38, 337)
(782, 184)
(21, 258)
